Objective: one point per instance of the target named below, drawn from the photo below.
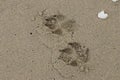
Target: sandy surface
(28, 50)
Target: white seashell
(102, 15)
(115, 0)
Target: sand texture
(59, 40)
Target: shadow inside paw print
(52, 22)
(74, 55)
(57, 31)
(82, 51)
(69, 25)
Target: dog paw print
(74, 55)
(58, 23)
(81, 50)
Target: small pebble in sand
(115, 0)
(102, 15)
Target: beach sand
(28, 51)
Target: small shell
(115, 0)
(102, 15)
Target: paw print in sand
(74, 55)
(58, 23)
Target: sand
(29, 51)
